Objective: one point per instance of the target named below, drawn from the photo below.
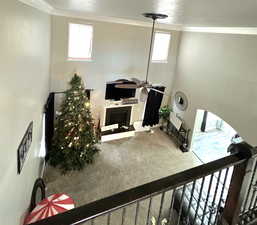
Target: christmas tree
(74, 141)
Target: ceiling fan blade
(126, 86)
(137, 81)
(161, 92)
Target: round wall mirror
(181, 101)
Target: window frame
(167, 58)
(71, 59)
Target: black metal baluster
(252, 199)
(190, 202)
(109, 219)
(123, 215)
(161, 205)
(199, 200)
(149, 210)
(171, 205)
(255, 203)
(137, 209)
(249, 189)
(221, 195)
(181, 203)
(207, 198)
(214, 197)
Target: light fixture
(154, 17)
(143, 94)
(144, 85)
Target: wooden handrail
(239, 184)
(103, 206)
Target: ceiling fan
(145, 85)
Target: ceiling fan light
(143, 94)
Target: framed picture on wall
(24, 147)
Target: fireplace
(118, 115)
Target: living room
(211, 60)
(124, 154)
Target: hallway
(210, 146)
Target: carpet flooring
(121, 165)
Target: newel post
(239, 183)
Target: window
(161, 47)
(80, 42)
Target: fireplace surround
(118, 115)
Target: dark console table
(179, 136)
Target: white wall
(198, 120)
(24, 86)
(218, 73)
(118, 51)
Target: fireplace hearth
(120, 115)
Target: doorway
(211, 136)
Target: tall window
(161, 47)
(80, 42)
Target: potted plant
(164, 114)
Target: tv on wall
(118, 93)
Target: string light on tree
(87, 104)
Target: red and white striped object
(50, 206)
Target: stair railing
(209, 194)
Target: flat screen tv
(118, 93)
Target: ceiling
(211, 13)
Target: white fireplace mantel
(118, 104)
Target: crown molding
(46, 7)
(79, 15)
(223, 30)
(41, 5)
